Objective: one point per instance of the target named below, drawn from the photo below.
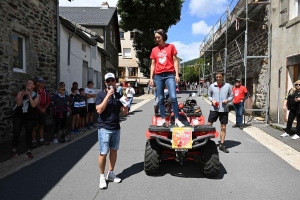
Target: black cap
(237, 80)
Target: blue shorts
(108, 139)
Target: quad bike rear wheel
(152, 157)
(211, 163)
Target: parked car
(133, 84)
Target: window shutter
(91, 74)
(284, 14)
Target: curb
(10, 166)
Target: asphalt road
(249, 171)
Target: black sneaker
(235, 126)
(241, 127)
(223, 148)
(29, 155)
(42, 142)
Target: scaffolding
(231, 24)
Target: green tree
(146, 16)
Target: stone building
(104, 21)
(213, 49)
(28, 48)
(283, 49)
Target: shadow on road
(38, 179)
(132, 170)
(230, 143)
(189, 169)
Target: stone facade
(35, 21)
(257, 73)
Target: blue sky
(197, 18)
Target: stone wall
(257, 73)
(35, 20)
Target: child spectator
(91, 106)
(74, 98)
(60, 101)
(82, 110)
(41, 111)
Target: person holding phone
(27, 101)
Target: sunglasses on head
(110, 80)
(297, 84)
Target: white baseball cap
(109, 75)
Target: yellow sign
(182, 138)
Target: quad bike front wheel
(211, 163)
(152, 157)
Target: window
(127, 53)
(99, 79)
(112, 36)
(132, 35)
(19, 55)
(94, 52)
(121, 35)
(133, 71)
(83, 47)
(91, 75)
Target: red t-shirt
(163, 57)
(238, 94)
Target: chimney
(104, 5)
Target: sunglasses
(110, 80)
(297, 84)
(62, 90)
(63, 85)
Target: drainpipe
(58, 44)
(69, 54)
(278, 98)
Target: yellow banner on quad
(182, 138)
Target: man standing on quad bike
(220, 93)
(164, 65)
(108, 107)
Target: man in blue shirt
(108, 107)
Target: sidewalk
(273, 129)
(10, 166)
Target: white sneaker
(295, 137)
(112, 177)
(179, 123)
(102, 184)
(284, 135)
(161, 123)
(55, 141)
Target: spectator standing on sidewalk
(165, 70)
(75, 84)
(63, 85)
(60, 110)
(108, 108)
(292, 103)
(129, 94)
(41, 111)
(240, 94)
(83, 109)
(75, 108)
(27, 101)
(220, 93)
(119, 88)
(91, 106)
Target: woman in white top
(129, 94)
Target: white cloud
(187, 51)
(200, 28)
(204, 8)
(87, 3)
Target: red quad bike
(192, 142)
